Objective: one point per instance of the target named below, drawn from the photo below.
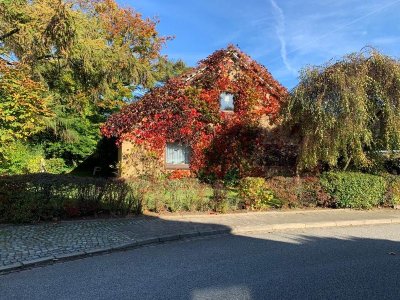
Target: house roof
(240, 60)
(215, 67)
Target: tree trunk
(347, 163)
(8, 34)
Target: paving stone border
(96, 251)
(34, 245)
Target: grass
(177, 195)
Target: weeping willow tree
(348, 111)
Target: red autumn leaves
(186, 109)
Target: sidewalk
(27, 245)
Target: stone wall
(134, 160)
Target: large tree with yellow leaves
(89, 55)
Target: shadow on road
(336, 263)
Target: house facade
(215, 119)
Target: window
(177, 155)
(226, 102)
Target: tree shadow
(339, 263)
(101, 163)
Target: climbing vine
(186, 109)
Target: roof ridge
(241, 59)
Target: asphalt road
(332, 263)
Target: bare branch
(6, 61)
(8, 34)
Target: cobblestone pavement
(29, 243)
(19, 244)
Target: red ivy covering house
(211, 120)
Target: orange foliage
(186, 109)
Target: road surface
(332, 263)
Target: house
(215, 119)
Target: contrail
(327, 34)
(280, 32)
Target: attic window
(177, 156)
(226, 102)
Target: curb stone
(189, 235)
(69, 255)
(289, 226)
(38, 261)
(10, 267)
(122, 246)
(250, 213)
(143, 242)
(321, 224)
(173, 237)
(97, 251)
(214, 232)
(285, 226)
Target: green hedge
(37, 197)
(393, 190)
(355, 190)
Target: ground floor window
(177, 155)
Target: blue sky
(283, 35)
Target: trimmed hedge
(38, 197)
(355, 190)
(295, 192)
(41, 197)
(393, 190)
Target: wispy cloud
(284, 35)
(280, 32)
(388, 40)
(342, 28)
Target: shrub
(294, 192)
(220, 197)
(255, 194)
(56, 166)
(186, 194)
(120, 198)
(232, 177)
(354, 190)
(20, 158)
(311, 193)
(393, 165)
(284, 190)
(179, 174)
(393, 191)
(36, 197)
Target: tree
(166, 69)
(90, 55)
(346, 111)
(24, 105)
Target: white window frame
(180, 165)
(222, 97)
